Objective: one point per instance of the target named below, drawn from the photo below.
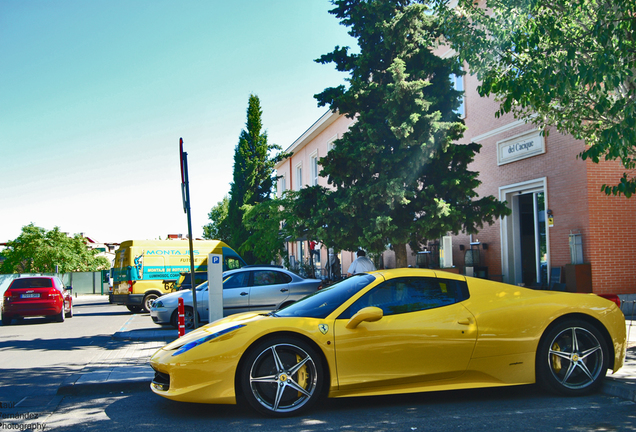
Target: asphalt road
(520, 409)
(37, 355)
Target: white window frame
(283, 185)
(313, 167)
(331, 143)
(299, 176)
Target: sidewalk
(124, 366)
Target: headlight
(190, 345)
(157, 304)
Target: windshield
(323, 302)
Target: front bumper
(161, 315)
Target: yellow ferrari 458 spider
(396, 331)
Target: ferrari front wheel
(572, 358)
(282, 377)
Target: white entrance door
(524, 234)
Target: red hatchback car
(37, 296)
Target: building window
(299, 177)
(283, 186)
(332, 143)
(313, 164)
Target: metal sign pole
(185, 194)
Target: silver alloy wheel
(575, 358)
(283, 378)
(148, 301)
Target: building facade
(562, 229)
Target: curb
(74, 385)
(620, 389)
(146, 335)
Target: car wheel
(60, 317)
(187, 315)
(69, 314)
(134, 309)
(282, 377)
(572, 358)
(6, 320)
(148, 300)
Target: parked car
(396, 331)
(37, 296)
(245, 289)
(185, 280)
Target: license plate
(36, 295)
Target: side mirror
(69, 288)
(368, 314)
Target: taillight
(130, 286)
(53, 293)
(612, 297)
(7, 296)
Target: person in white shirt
(361, 264)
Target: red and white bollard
(181, 318)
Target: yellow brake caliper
(556, 360)
(302, 375)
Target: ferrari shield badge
(324, 328)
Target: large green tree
(253, 180)
(570, 64)
(397, 176)
(214, 230)
(37, 250)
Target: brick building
(562, 229)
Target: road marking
(21, 401)
(126, 324)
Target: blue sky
(95, 94)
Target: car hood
(216, 327)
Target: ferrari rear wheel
(282, 377)
(572, 358)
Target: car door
(202, 303)
(236, 293)
(270, 288)
(426, 334)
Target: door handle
(284, 290)
(244, 293)
(465, 321)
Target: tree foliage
(397, 176)
(217, 215)
(253, 181)
(264, 220)
(570, 62)
(37, 250)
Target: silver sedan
(245, 289)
